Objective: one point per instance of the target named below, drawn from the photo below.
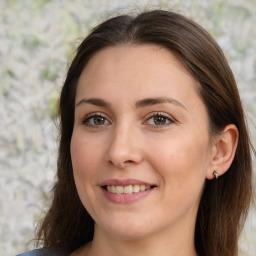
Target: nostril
(121, 164)
(128, 161)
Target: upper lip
(124, 182)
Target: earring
(216, 175)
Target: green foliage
(31, 41)
(52, 110)
(48, 74)
(41, 3)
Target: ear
(223, 151)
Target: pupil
(159, 120)
(98, 120)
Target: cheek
(84, 159)
(83, 163)
(83, 154)
(181, 161)
(78, 161)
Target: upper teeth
(127, 189)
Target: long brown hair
(225, 202)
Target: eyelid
(94, 114)
(161, 114)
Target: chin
(128, 230)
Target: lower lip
(126, 198)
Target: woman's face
(140, 146)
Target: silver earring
(216, 175)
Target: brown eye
(160, 120)
(99, 120)
(95, 121)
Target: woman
(154, 155)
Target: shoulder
(42, 252)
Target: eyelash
(167, 118)
(160, 114)
(89, 117)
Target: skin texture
(176, 156)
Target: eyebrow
(158, 100)
(94, 101)
(139, 104)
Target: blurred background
(37, 41)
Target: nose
(124, 147)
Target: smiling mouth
(127, 189)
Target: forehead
(147, 56)
(139, 68)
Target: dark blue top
(43, 252)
